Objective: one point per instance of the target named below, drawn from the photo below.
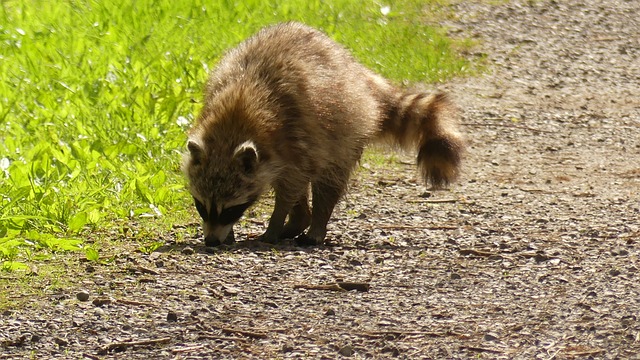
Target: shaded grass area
(96, 97)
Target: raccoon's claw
(305, 240)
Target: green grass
(96, 97)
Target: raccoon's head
(223, 183)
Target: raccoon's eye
(232, 214)
(202, 210)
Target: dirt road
(534, 254)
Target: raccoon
(290, 109)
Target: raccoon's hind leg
(325, 195)
(299, 218)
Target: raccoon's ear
(247, 154)
(196, 151)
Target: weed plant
(96, 98)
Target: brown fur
(290, 108)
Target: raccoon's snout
(218, 228)
(216, 235)
(213, 241)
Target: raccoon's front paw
(230, 239)
(290, 232)
(266, 238)
(305, 240)
(212, 242)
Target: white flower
(4, 164)
(182, 121)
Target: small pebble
(288, 347)
(188, 250)
(330, 312)
(21, 340)
(83, 295)
(391, 350)
(355, 262)
(619, 252)
(271, 304)
(172, 316)
(346, 350)
(101, 301)
(61, 341)
(490, 337)
(614, 272)
(230, 291)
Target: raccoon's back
(323, 101)
(285, 54)
(304, 66)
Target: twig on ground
(330, 287)
(102, 300)
(409, 227)
(134, 302)
(433, 201)
(554, 354)
(532, 190)
(359, 286)
(482, 349)
(185, 226)
(584, 352)
(476, 252)
(606, 38)
(226, 338)
(124, 344)
(250, 333)
(524, 127)
(145, 270)
(89, 356)
(376, 334)
(187, 349)
(338, 286)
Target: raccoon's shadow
(255, 245)
(251, 244)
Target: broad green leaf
(91, 254)
(14, 265)
(143, 191)
(77, 221)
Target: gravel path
(533, 255)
